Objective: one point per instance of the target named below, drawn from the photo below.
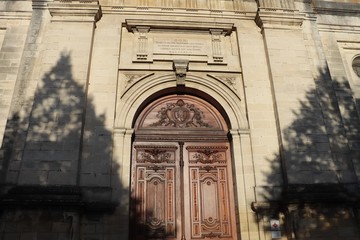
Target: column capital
(75, 11)
(123, 131)
(239, 132)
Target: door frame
(216, 132)
(137, 96)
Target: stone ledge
(75, 11)
(322, 193)
(279, 18)
(15, 15)
(312, 194)
(184, 25)
(53, 196)
(336, 7)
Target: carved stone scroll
(180, 67)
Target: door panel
(154, 191)
(208, 184)
(181, 179)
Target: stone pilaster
(55, 133)
(305, 150)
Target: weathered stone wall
(14, 24)
(74, 75)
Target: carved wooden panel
(209, 183)
(155, 154)
(181, 112)
(181, 185)
(154, 190)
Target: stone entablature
(196, 45)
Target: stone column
(121, 177)
(245, 183)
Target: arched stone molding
(129, 103)
(131, 100)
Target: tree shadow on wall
(60, 169)
(56, 164)
(320, 162)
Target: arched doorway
(181, 179)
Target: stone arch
(141, 91)
(210, 89)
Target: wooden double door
(181, 180)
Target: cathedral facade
(179, 119)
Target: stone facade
(75, 75)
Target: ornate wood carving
(155, 190)
(180, 115)
(155, 154)
(209, 192)
(183, 186)
(155, 194)
(207, 155)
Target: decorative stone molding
(180, 67)
(321, 6)
(132, 78)
(15, 15)
(75, 11)
(40, 4)
(142, 53)
(217, 56)
(277, 4)
(150, 46)
(132, 24)
(229, 80)
(279, 18)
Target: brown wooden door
(208, 196)
(155, 191)
(181, 179)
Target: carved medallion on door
(181, 180)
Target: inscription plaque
(179, 46)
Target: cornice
(338, 8)
(186, 25)
(179, 12)
(35, 196)
(325, 27)
(15, 15)
(40, 4)
(75, 11)
(279, 18)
